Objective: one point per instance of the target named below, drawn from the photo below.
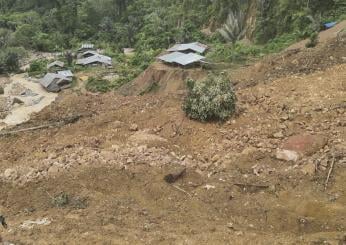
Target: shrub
(38, 67)
(98, 85)
(211, 99)
(2, 91)
(9, 59)
(313, 41)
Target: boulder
(287, 155)
(143, 138)
(305, 144)
(309, 169)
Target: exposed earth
(273, 174)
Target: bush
(2, 91)
(98, 85)
(211, 99)
(9, 59)
(313, 41)
(38, 67)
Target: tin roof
(66, 73)
(92, 52)
(49, 78)
(196, 47)
(181, 58)
(170, 57)
(95, 59)
(56, 63)
(187, 59)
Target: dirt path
(22, 113)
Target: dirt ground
(100, 178)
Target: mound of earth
(297, 59)
(162, 79)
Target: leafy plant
(313, 41)
(38, 67)
(211, 99)
(98, 85)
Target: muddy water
(21, 113)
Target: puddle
(36, 99)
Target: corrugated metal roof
(187, 59)
(49, 78)
(56, 63)
(66, 73)
(95, 59)
(92, 52)
(170, 57)
(196, 46)
(181, 58)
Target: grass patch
(63, 200)
(98, 85)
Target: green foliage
(211, 99)
(9, 59)
(38, 67)
(239, 52)
(98, 85)
(313, 41)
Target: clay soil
(109, 167)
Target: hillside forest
(150, 26)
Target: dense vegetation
(152, 25)
(211, 99)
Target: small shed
(56, 65)
(194, 47)
(86, 47)
(95, 60)
(66, 73)
(53, 82)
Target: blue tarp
(329, 25)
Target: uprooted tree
(210, 99)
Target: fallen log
(60, 123)
(173, 177)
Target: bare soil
(111, 164)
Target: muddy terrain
(94, 170)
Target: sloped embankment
(162, 79)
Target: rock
(118, 124)
(10, 173)
(287, 155)
(309, 169)
(2, 91)
(305, 144)
(53, 169)
(134, 127)
(142, 137)
(215, 158)
(278, 135)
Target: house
(181, 59)
(95, 60)
(56, 65)
(66, 73)
(89, 53)
(86, 47)
(194, 47)
(53, 82)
